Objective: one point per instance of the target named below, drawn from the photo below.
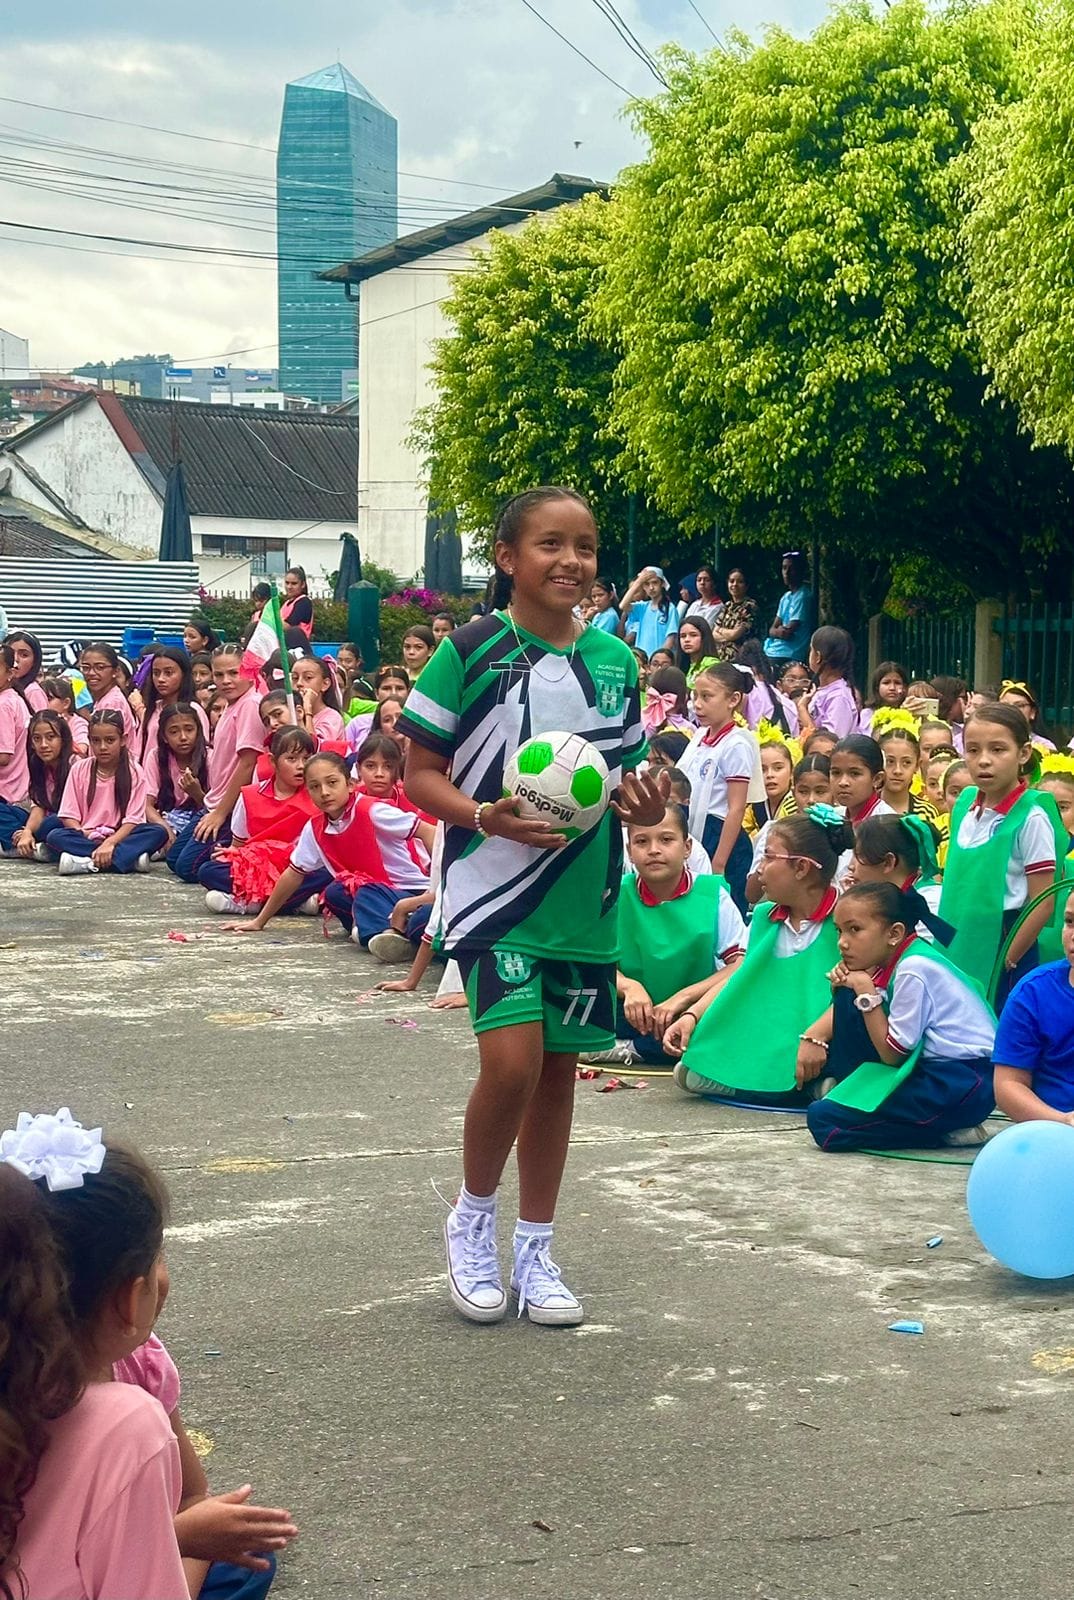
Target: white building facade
(401, 289)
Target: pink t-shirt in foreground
(101, 818)
(116, 700)
(35, 696)
(151, 1368)
(98, 1522)
(239, 729)
(79, 732)
(14, 721)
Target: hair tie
(825, 816)
(919, 910)
(920, 830)
(56, 1148)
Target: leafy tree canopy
(789, 295)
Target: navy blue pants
(649, 1049)
(939, 1096)
(188, 855)
(144, 840)
(14, 818)
(370, 910)
(217, 875)
(739, 861)
(1029, 961)
(226, 1582)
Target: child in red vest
(267, 819)
(365, 845)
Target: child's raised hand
(224, 1527)
(838, 975)
(501, 819)
(642, 798)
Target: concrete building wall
(14, 355)
(81, 458)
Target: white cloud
(483, 92)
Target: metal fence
(95, 598)
(1038, 649)
(928, 645)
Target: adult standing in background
(788, 637)
(737, 620)
(297, 608)
(708, 603)
(651, 623)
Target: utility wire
(704, 20)
(571, 46)
(630, 39)
(237, 144)
(347, 493)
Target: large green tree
(787, 286)
(524, 383)
(1020, 237)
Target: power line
(706, 22)
(237, 144)
(571, 46)
(347, 493)
(630, 39)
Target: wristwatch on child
(868, 1002)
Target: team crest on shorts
(512, 967)
(610, 684)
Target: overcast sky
(484, 94)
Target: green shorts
(574, 1001)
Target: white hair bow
(56, 1148)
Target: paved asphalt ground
(733, 1420)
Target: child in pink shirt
(224, 1527)
(61, 698)
(102, 812)
(316, 699)
(97, 1522)
(102, 669)
(27, 648)
(238, 741)
(14, 765)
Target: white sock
(530, 1230)
(468, 1202)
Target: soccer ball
(559, 778)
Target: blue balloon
(1020, 1197)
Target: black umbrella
(350, 567)
(443, 551)
(176, 540)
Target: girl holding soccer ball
(529, 914)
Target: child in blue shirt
(1034, 1054)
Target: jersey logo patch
(512, 967)
(610, 684)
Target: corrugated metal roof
(561, 189)
(241, 462)
(25, 537)
(79, 599)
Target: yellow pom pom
(1056, 761)
(893, 719)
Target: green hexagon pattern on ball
(559, 778)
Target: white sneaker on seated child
(225, 905)
(538, 1282)
(391, 946)
(75, 866)
(694, 1083)
(623, 1053)
(969, 1138)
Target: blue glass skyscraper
(336, 197)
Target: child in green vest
(902, 1058)
(742, 1037)
(675, 931)
(1005, 841)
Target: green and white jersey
(483, 693)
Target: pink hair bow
(656, 710)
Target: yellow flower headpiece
(772, 733)
(893, 719)
(1056, 762)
